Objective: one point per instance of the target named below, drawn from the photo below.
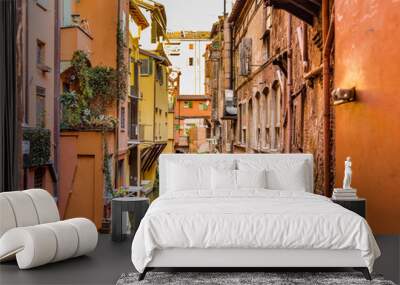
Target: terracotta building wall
(39, 73)
(195, 110)
(368, 130)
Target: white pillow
(251, 178)
(291, 179)
(288, 174)
(183, 177)
(223, 179)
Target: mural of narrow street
(96, 91)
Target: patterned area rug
(243, 278)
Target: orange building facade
(92, 28)
(191, 111)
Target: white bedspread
(252, 218)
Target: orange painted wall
(102, 17)
(194, 111)
(72, 39)
(82, 182)
(367, 57)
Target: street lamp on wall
(342, 96)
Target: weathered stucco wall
(367, 57)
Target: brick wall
(262, 123)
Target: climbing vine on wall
(122, 69)
(39, 144)
(108, 188)
(86, 106)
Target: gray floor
(104, 266)
(110, 260)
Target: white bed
(248, 227)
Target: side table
(357, 205)
(137, 205)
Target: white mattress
(250, 219)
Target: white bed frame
(250, 258)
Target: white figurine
(347, 174)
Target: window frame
(146, 62)
(187, 104)
(40, 52)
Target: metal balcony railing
(140, 132)
(183, 141)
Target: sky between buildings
(193, 15)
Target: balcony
(140, 133)
(183, 141)
(230, 109)
(74, 38)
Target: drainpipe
(289, 84)
(57, 91)
(326, 94)
(117, 103)
(228, 58)
(228, 53)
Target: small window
(187, 104)
(40, 52)
(122, 117)
(146, 67)
(191, 46)
(190, 61)
(160, 74)
(40, 106)
(267, 46)
(203, 107)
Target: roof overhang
(193, 98)
(137, 15)
(236, 10)
(159, 58)
(305, 10)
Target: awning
(150, 154)
(305, 10)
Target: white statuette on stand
(347, 174)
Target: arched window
(240, 115)
(266, 119)
(257, 121)
(250, 123)
(242, 123)
(276, 115)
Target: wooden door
(82, 197)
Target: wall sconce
(341, 96)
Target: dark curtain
(8, 97)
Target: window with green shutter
(188, 104)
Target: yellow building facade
(154, 123)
